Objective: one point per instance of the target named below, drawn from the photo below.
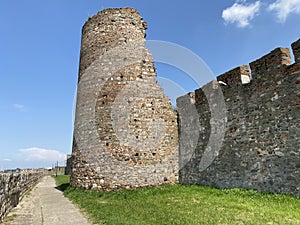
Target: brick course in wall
(126, 132)
(261, 147)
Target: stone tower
(125, 131)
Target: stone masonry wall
(261, 145)
(69, 165)
(125, 132)
(14, 186)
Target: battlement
(261, 135)
(235, 77)
(271, 64)
(265, 69)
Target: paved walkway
(45, 205)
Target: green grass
(183, 204)
(62, 181)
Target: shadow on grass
(62, 182)
(63, 187)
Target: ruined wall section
(261, 147)
(125, 133)
(14, 186)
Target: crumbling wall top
(107, 30)
(271, 63)
(296, 50)
(236, 77)
(265, 70)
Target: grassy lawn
(183, 204)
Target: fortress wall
(241, 130)
(13, 188)
(261, 145)
(126, 132)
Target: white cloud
(283, 8)
(20, 107)
(241, 13)
(7, 160)
(40, 155)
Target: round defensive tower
(125, 131)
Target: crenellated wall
(241, 130)
(260, 148)
(14, 186)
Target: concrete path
(45, 205)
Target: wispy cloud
(283, 8)
(42, 156)
(20, 107)
(241, 13)
(7, 160)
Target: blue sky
(39, 55)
